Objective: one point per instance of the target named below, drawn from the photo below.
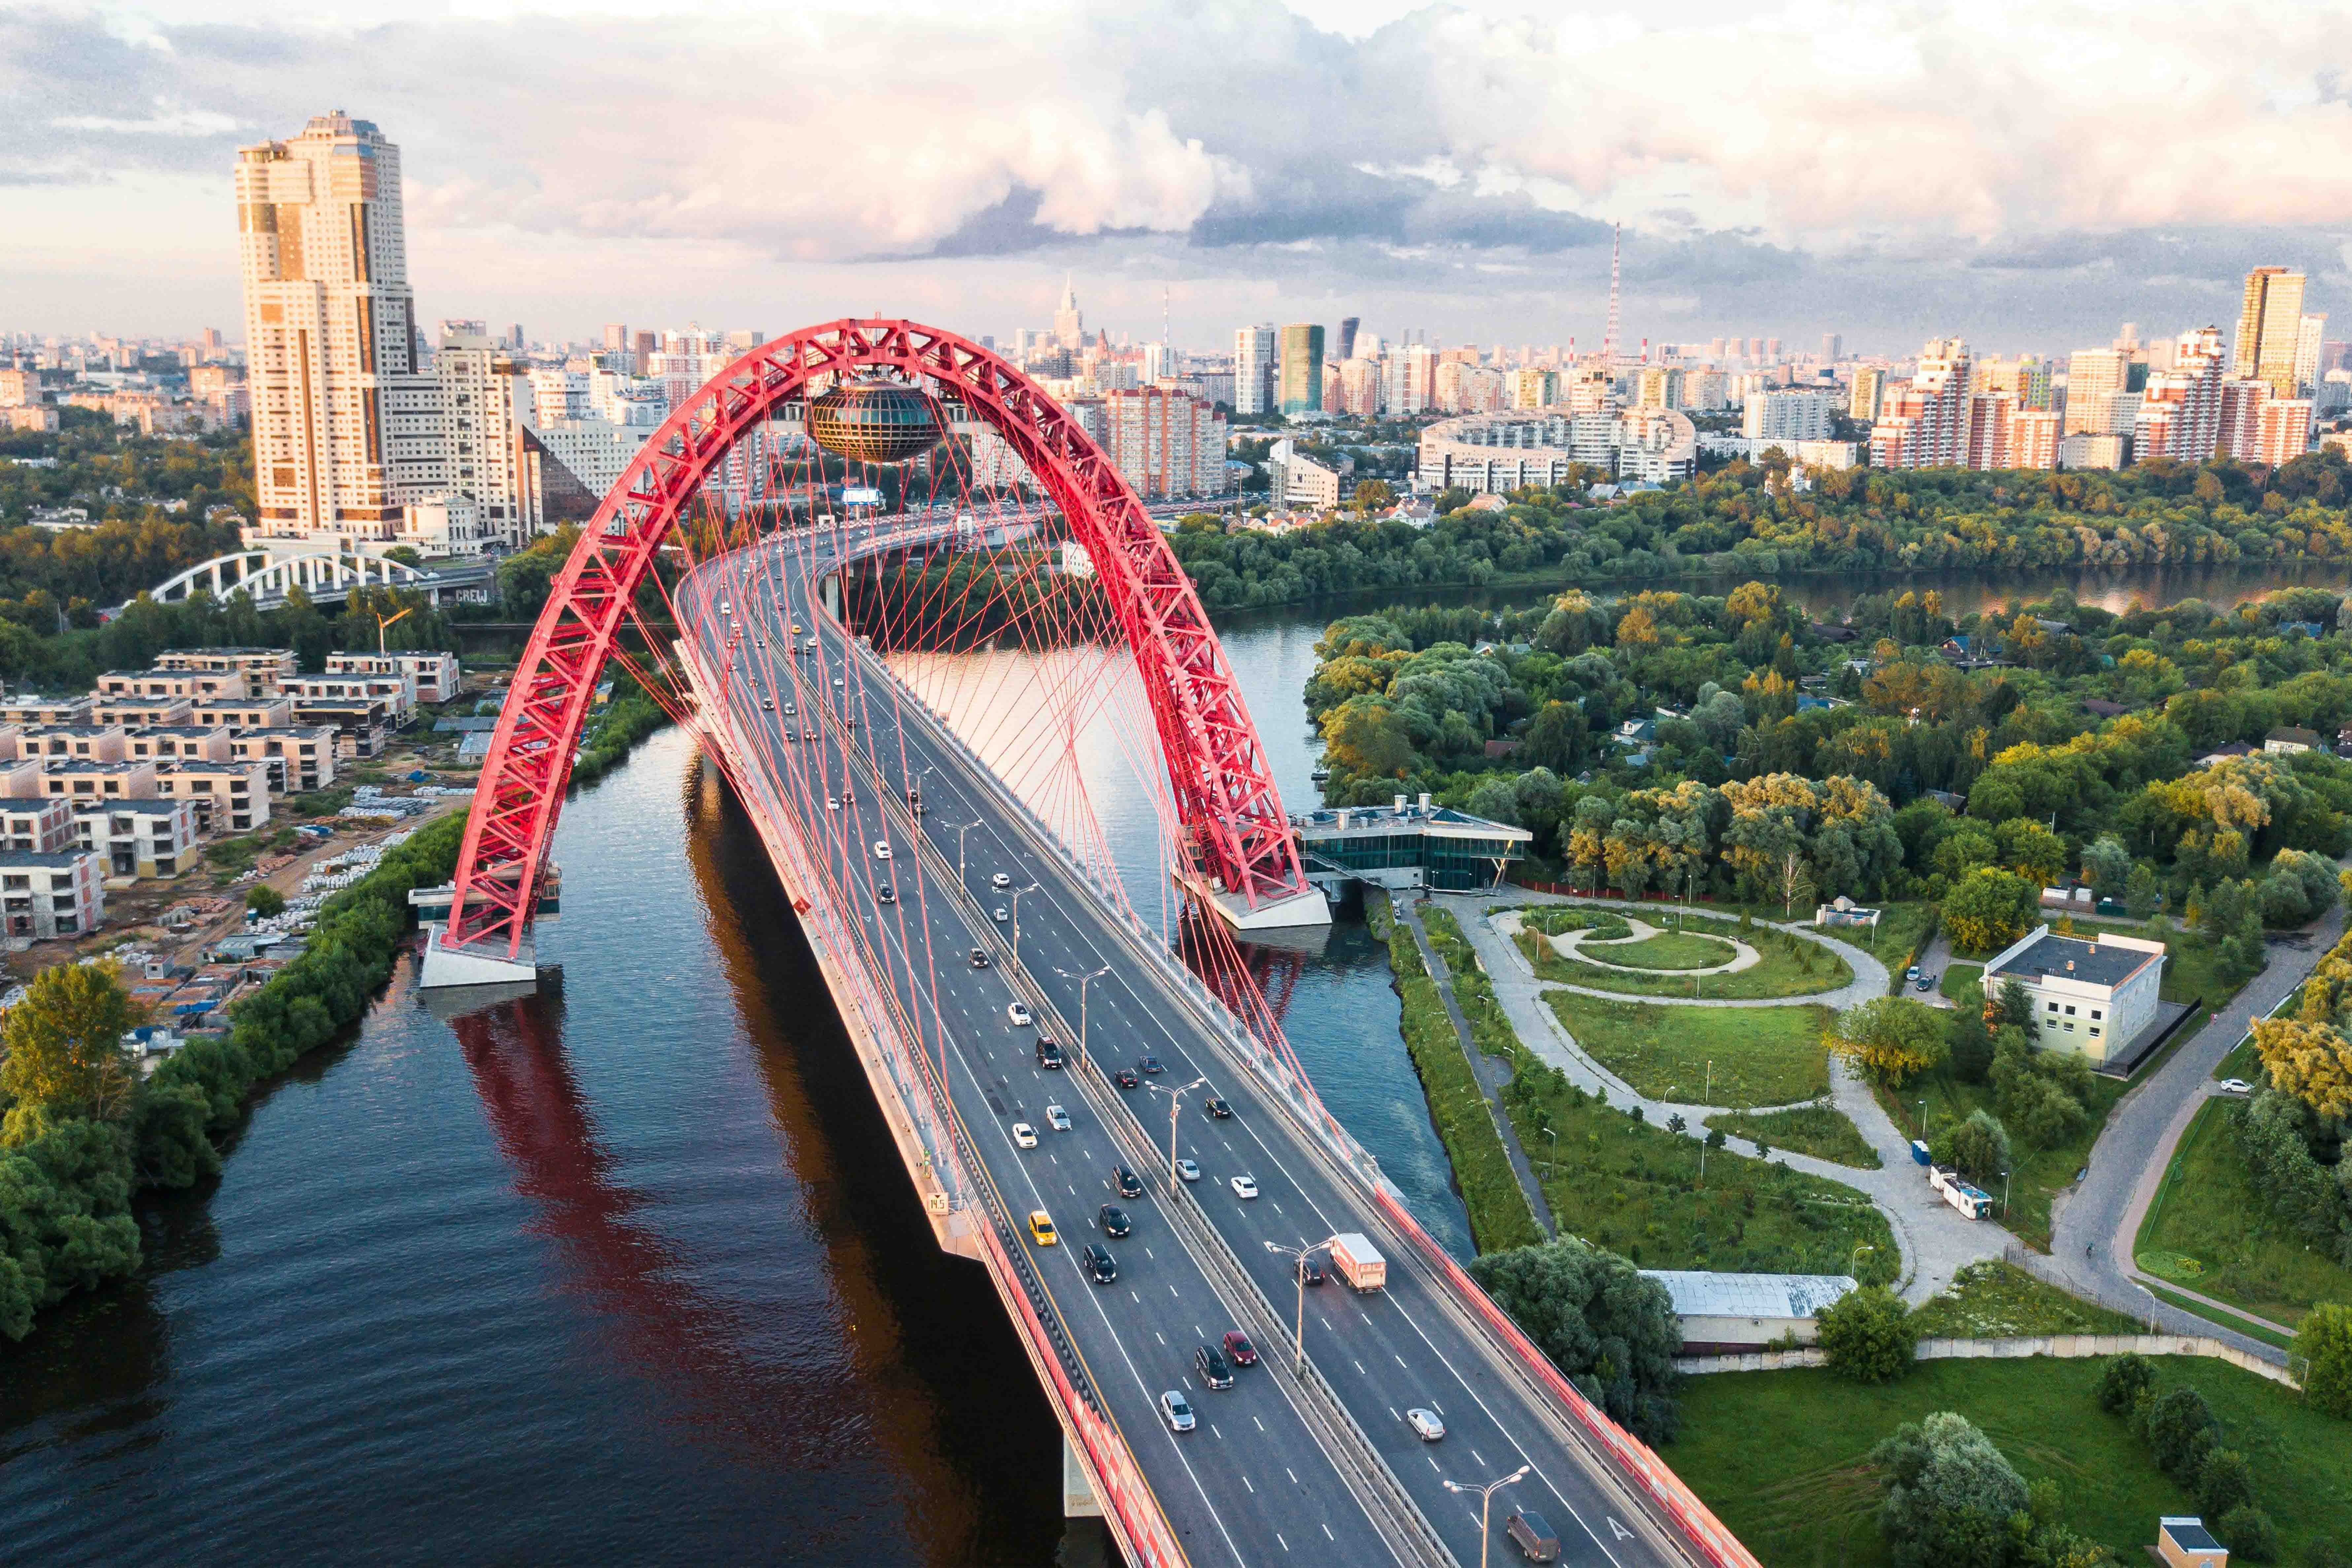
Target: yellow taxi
(1041, 1228)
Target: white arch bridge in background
(328, 576)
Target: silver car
(1424, 1423)
(1177, 1410)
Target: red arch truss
(1223, 789)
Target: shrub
(2123, 1382)
(1978, 1147)
(1867, 1336)
(2226, 1482)
(2325, 1341)
(1949, 1495)
(265, 900)
(2249, 1534)
(2180, 1430)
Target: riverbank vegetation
(81, 1131)
(1812, 1494)
(1751, 520)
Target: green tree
(2225, 1481)
(2142, 894)
(2325, 1341)
(2107, 865)
(65, 1042)
(2249, 1534)
(1867, 1336)
(2123, 1381)
(1968, 1044)
(2180, 1429)
(1949, 1495)
(265, 900)
(1890, 1038)
(1978, 1147)
(1990, 908)
(1610, 1329)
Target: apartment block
(175, 742)
(435, 675)
(2034, 438)
(1863, 399)
(2270, 329)
(1924, 422)
(165, 683)
(41, 827)
(2284, 433)
(139, 837)
(79, 782)
(1166, 444)
(228, 796)
(49, 894)
(45, 710)
(299, 758)
(1786, 416)
(264, 669)
(2093, 378)
(395, 694)
(73, 742)
(140, 712)
(252, 713)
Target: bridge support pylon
(1079, 1499)
(477, 964)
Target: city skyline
(1242, 203)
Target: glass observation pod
(872, 419)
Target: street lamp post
(1016, 919)
(1298, 1256)
(1486, 1503)
(960, 829)
(2004, 1195)
(1175, 1100)
(1854, 1259)
(1083, 980)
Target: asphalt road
(1261, 1481)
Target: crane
(383, 623)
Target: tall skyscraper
(2094, 377)
(1301, 371)
(2310, 349)
(344, 428)
(1347, 325)
(616, 336)
(1869, 387)
(2270, 328)
(1069, 326)
(1254, 370)
(1924, 421)
(2181, 413)
(1832, 347)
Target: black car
(1149, 1066)
(1113, 1220)
(1211, 1366)
(1131, 1185)
(1218, 1109)
(1311, 1271)
(1125, 1077)
(1099, 1263)
(979, 958)
(886, 894)
(1049, 1055)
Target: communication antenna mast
(1167, 338)
(1609, 342)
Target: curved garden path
(1572, 944)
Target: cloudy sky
(2027, 173)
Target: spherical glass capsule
(875, 421)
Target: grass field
(2207, 1230)
(2041, 1173)
(1903, 930)
(1499, 1215)
(1959, 983)
(1792, 966)
(1993, 1300)
(1821, 1131)
(1762, 1056)
(1667, 950)
(1634, 1189)
(1805, 1497)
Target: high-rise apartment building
(2310, 350)
(2033, 437)
(1300, 373)
(1924, 422)
(1534, 388)
(1253, 363)
(1361, 387)
(2093, 377)
(1413, 379)
(1347, 345)
(1832, 347)
(344, 426)
(1869, 389)
(616, 337)
(481, 438)
(2270, 328)
(2180, 408)
(2026, 379)
(1785, 417)
(2284, 432)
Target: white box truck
(1358, 1262)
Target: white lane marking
(1328, 1535)
(1400, 1360)
(1286, 1545)
(1246, 1482)
(1474, 1454)
(1161, 1337)
(1360, 1367)
(1260, 1424)
(1622, 1533)
(1291, 1473)
(1213, 1432)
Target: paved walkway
(1491, 1073)
(1935, 1242)
(1572, 943)
(1869, 975)
(2095, 1229)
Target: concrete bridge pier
(1079, 1499)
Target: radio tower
(1167, 339)
(1609, 342)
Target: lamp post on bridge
(1083, 980)
(1175, 1100)
(1016, 919)
(1298, 1256)
(1487, 1501)
(961, 828)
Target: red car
(1238, 1349)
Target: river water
(632, 1273)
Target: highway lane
(1255, 1482)
(1380, 1354)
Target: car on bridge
(833, 803)
(1125, 1077)
(1041, 1228)
(999, 880)
(1309, 1271)
(1149, 1066)
(979, 958)
(1023, 1135)
(769, 703)
(1178, 1410)
(1238, 1348)
(1049, 1054)
(1057, 1119)
(1001, 914)
(790, 710)
(1018, 1014)
(886, 894)
(1113, 1220)
(1244, 1186)
(1424, 1423)
(1188, 1170)
(881, 849)
(1100, 1264)
(1216, 1109)
(1130, 1185)
(1211, 1367)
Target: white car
(1177, 1410)
(2236, 1085)
(1244, 1186)
(999, 880)
(1189, 1171)
(833, 803)
(1018, 1012)
(881, 850)
(1003, 914)
(1023, 1135)
(1424, 1423)
(1057, 1119)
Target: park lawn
(1782, 1458)
(1991, 1299)
(1822, 1130)
(1762, 1056)
(1634, 1189)
(2041, 1173)
(1959, 984)
(1667, 950)
(2208, 1231)
(1792, 966)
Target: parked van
(1532, 1536)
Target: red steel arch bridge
(908, 696)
